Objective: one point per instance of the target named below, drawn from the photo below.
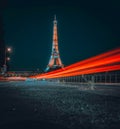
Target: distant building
(2, 44)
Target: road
(43, 105)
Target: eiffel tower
(55, 61)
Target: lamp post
(7, 50)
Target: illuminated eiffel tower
(55, 61)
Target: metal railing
(99, 78)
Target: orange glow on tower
(55, 61)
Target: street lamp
(7, 50)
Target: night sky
(85, 29)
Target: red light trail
(108, 61)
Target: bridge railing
(100, 78)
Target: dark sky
(85, 29)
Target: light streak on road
(108, 61)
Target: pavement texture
(43, 105)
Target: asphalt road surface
(44, 105)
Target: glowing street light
(7, 50)
(8, 58)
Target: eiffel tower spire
(55, 61)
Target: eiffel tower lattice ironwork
(55, 61)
